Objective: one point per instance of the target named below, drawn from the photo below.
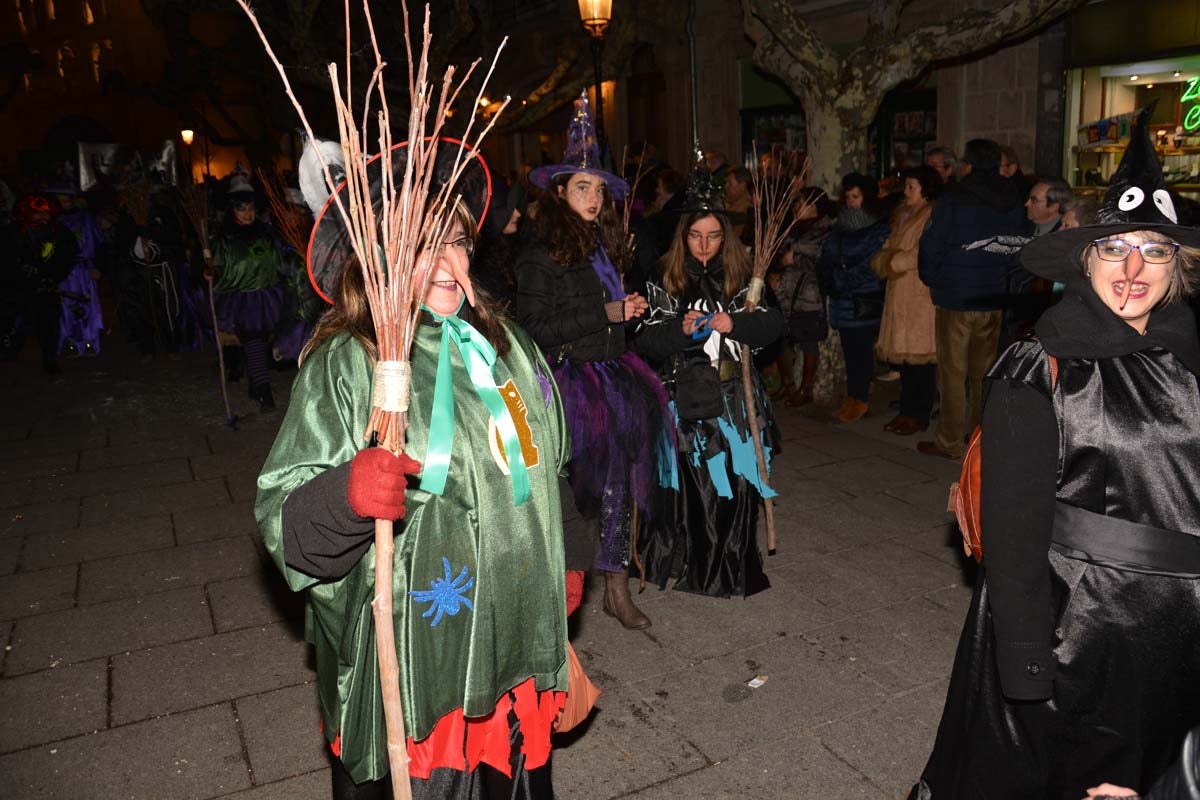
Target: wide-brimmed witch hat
(329, 247)
(1137, 200)
(582, 155)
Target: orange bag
(581, 695)
(964, 495)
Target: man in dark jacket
(964, 259)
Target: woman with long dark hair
(695, 332)
(480, 605)
(571, 299)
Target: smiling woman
(1077, 662)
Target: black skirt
(1126, 691)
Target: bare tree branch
(883, 18)
(969, 32)
(786, 46)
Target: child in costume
(249, 270)
(480, 608)
(571, 299)
(82, 320)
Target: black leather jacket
(563, 308)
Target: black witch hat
(1137, 200)
(704, 192)
(330, 248)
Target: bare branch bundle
(777, 190)
(289, 218)
(397, 248)
(627, 212)
(193, 200)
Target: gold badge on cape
(520, 417)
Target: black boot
(266, 400)
(619, 603)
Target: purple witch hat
(583, 153)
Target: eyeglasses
(1152, 252)
(712, 238)
(465, 243)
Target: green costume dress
(479, 596)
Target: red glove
(574, 590)
(377, 483)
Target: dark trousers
(918, 387)
(858, 347)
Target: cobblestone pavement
(151, 651)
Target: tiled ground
(151, 651)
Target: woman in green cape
(480, 609)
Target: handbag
(868, 306)
(964, 495)
(581, 695)
(698, 391)
(806, 326)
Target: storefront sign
(1191, 105)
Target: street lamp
(596, 14)
(188, 136)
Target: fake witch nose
(1131, 272)
(460, 273)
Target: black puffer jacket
(563, 308)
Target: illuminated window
(88, 17)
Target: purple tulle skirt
(622, 445)
(257, 311)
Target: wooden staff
(776, 212)
(396, 248)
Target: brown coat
(906, 330)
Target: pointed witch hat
(704, 192)
(1137, 200)
(329, 247)
(583, 153)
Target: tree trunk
(836, 145)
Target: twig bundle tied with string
(289, 218)
(777, 188)
(194, 202)
(397, 248)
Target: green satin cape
(517, 627)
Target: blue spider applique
(447, 594)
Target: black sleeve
(1019, 465)
(322, 537)
(659, 342)
(1182, 780)
(541, 310)
(757, 328)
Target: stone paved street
(151, 651)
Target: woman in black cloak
(1079, 659)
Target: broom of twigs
(194, 202)
(289, 219)
(627, 211)
(776, 191)
(396, 249)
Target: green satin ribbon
(479, 357)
